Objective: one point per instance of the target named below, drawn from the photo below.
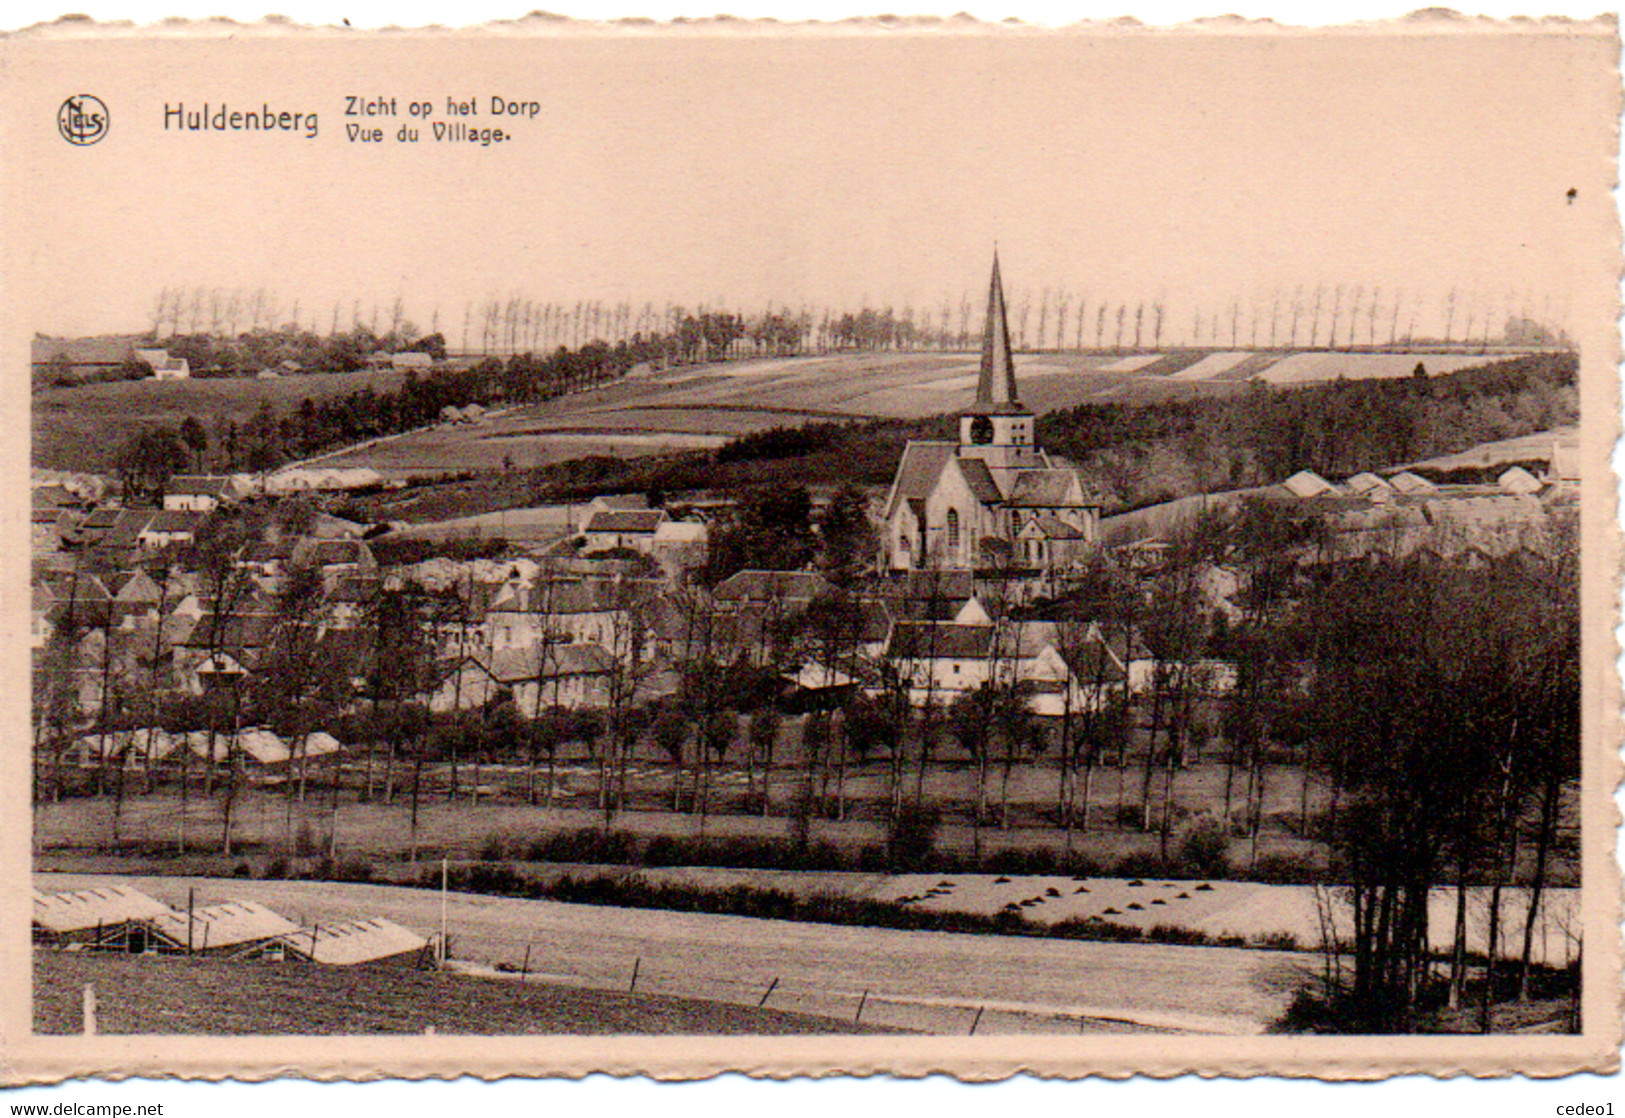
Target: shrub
(354, 869)
(588, 845)
(1203, 846)
(1276, 941)
(1031, 862)
(911, 838)
(1287, 869)
(1139, 865)
(1128, 816)
(660, 851)
(1096, 929)
(1172, 933)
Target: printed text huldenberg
(223, 118)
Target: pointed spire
(997, 383)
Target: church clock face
(981, 430)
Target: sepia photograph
(922, 544)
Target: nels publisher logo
(82, 119)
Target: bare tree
(160, 310)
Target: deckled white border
(378, 14)
(733, 1094)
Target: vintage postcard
(889, 546)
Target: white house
(163, 366)
(632, 528)
(197, 493)
(170, 527)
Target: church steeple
(997, 428)
(996, 387)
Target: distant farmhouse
(994, 498)
(163, 366)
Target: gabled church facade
(994, 499)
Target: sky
(733, 171)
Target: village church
(994, 499)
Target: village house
(611, 529)
(163, 366)
(136, 597)
(337, 560)
(680, 546)
(41, 625)
(47, 527)
(939, 661)
(215, 655)
(93, 528)
(572, 676)
(197, 493)
(611, 614)
(169, 528)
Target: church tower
(997, 428)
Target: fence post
(767, 995)
(977, 1020)
(524, 968)
(90, 1010)
(636, 963)
(856, 1017)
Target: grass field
(81, 428)
(264, 820)
(692, 407)
(262, 816)
(169, 994)
(700, 406)
(927, 981)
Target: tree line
(1330, 316)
